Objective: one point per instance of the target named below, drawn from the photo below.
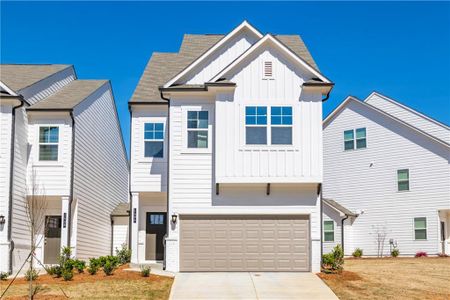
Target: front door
(443, 236)
(155, 232)
(52, 242)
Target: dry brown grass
(392, 278)
(121, 285)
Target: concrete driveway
(249, 286)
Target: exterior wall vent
(267, 70)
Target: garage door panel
(244, 243)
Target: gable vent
(268, 71)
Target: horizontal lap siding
(366, 180)
(101, 172)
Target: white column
(134, 215)
(64, 221)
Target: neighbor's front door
(52, 242)
(155, 232)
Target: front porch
(444, 231)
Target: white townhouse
(386, 174)
(60, 143)
(226, 155)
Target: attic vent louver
(268, 72)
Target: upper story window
(153, 140)
(197, 128)
(403, 180)
(281, 125)
(256, 125)
(48, 143)
(267, 70)
(355, 139)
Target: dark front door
(52, 242)
(155, 232)
(443, 236)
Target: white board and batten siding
(299, 162)
(365, 180)
(100, 171)
(147, 174)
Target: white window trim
(37, 161)
(142, 140)
(334, 231)
(397, 181)
(355, 139)
(414, 229)
(268, 146)
(184, 111)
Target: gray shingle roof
(18, 77)
(164, 66)
(70, 95)
(122, 209)
(339, 207)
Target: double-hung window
(355, 139)
(328, 231)
(256, 125)
(420, 228)
(403, 180)
(48, 143)
(197, 129)
(154, 140)
(281, 125)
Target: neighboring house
(386, 168)
(226, 155)
(60, 143)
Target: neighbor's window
(355, 139)
(403, 180)
(256, 125)
(48, 143)
(328, 231)
(281, 125)
(420, 228)
(197, 127)
(153, 140)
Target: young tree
(380, 233)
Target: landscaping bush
(357, 253)
(80, 265)
(145, 271)
(421, 254)
(124, 254)
(94, 265)
(395, 252)
(57, 271)
(333, 262)
(3, 276)
(67, 274)
(51, 270)
(108, 268)
(31, 274)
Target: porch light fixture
(174, 218)
(2, 219)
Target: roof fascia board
(7, 89)
(269, 37)
(407, 108)
(341, 214)
(350, 98)
(226, 38)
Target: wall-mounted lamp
(2, 219)
(174, 218)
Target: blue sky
(399, 49)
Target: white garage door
(244, 243)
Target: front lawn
(392, 278)
(121, 285)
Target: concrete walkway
(250, 286)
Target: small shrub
(57, 271)
(94, 265)
(124, 254)
(145, 271)
(80, 265)
(31, 274)
(357, 253)
(421, 254)
(333, 262)
(395, 252)
(67, 274)
(68, 264)
(3, 276)
(51, 270)
(108, 268)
